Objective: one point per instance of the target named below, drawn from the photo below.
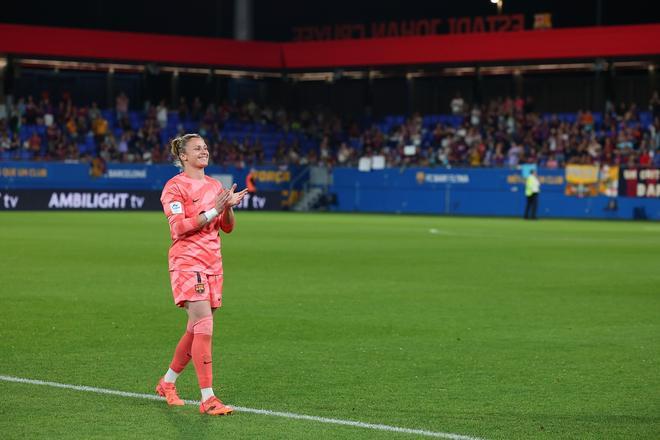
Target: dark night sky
(274, 20)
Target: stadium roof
(539, 45)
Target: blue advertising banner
(474, 191)
(42, 175)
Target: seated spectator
(645, 158)
(34, 143)
(98, 167)
(5, 142)
(344, 155)
(552, 162)
(501, 131)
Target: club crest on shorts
(199, 287)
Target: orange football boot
(168, 390)
(214, 407)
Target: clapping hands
(228, 198)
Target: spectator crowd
(504, 132)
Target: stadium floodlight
(499, 4)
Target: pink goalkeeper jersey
(193, 250)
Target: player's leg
(183, 287)
(201, 315)
(182, 355)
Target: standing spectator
(15, 143)
(47, 111)
(94, 112)
(475, 116)
(183, 109)
(251, 182)
(654, 104)
(197, 107)
(161, 114)
(457, 104)
(100, 128)
(654, 133)
(121, 105)
(656, 159)
(31, 111)
(514, 154)
(518, 104)
(529, 105)
(20, 111)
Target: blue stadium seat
(456, 120)
(645, 118)
(355, 143)
(26, 155)
(446, 119)
(110, 115)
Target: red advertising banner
(639, 182)
(408, 28)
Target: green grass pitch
(490, 328)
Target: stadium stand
(503, 132)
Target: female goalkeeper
(197, 208)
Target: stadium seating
(269, 135)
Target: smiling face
(195, 153)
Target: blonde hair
(178, 146)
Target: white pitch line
(265, 412)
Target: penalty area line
(266, 412)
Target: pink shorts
(196, 286)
